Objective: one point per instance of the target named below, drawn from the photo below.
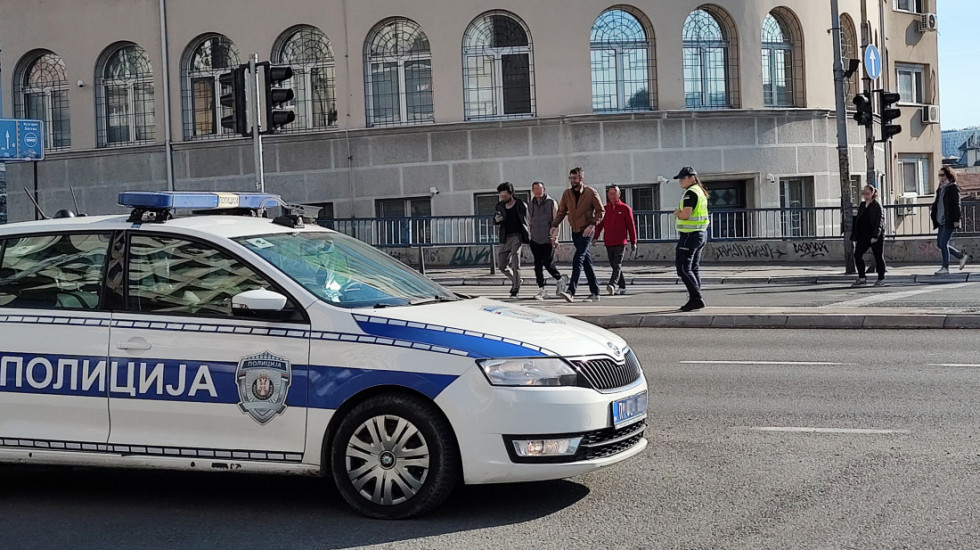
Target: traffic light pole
(254, 97)
(842, 146)
(869, 132)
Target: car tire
(394, 456)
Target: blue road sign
(872, 62)
(21, 139)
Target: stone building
(419, 108)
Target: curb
(785, 321)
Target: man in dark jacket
(513, 230)
(869, 233)
(946, 216)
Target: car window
(53, 271)
(168, 275)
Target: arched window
(307, 50)
(849, 50)
(397, 74)
(621, 62)
(203, 63)
(41, 93)
(124, 95)
(782, 60)
(498, 68)
(710, 65)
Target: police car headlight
(538, 371)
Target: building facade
(419, 108)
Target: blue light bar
(197, 201)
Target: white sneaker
(611, 290)
(568, 297)
(592, 298)
(621, 292)
(943, 271)
(541, 295)
(963, 261)
(562, 285)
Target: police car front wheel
(394, 456)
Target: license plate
(629, 410)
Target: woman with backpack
(946, 217)
(869, 234)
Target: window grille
(621, 63)
(41, 93)
(203, 63)
(124, 97)
(307, 50)
(710, 66)
(498, 68)
(398, 74)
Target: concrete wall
(910, 251)
(463, 159)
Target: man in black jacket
(514, 232)
(869, 233)
(946, 215)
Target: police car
(227, 341)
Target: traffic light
(889, 114)
(277, 96)
(234, 98)
(865, 110)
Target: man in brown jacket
(583, 207)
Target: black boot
(693, 304)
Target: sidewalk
(791, 297)
(660, 274)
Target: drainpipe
(169, 145)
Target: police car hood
(481, 327)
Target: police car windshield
(343, 271)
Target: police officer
(692, 230)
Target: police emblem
(263, 382)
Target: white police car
(236, 342)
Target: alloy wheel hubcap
(387, 460)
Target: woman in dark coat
(869, 234)
(946, 216)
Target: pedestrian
(510, 217)
(541, 214)
(946, 216)
(582, 205)
(620, 231)
(869, 233)
(692, 230)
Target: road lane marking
(769, 363)
(890, 296)
(853, 431)
(954, 365)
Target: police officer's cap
(685, 172)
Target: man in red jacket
(620, 229)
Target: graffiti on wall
(811, 249)
(750, 251)
(468, 255)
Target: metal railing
(653, 227)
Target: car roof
(219, 226)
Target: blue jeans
(582, 260)
(688, 260)
(945, 236)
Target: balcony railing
(726, 225)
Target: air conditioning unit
(930, 114)
(928, 23)
(905, 205)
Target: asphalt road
(771, 439)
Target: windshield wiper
(434, 300)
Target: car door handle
(134, 344)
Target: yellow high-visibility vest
(699, 216)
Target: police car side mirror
(257, 303)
